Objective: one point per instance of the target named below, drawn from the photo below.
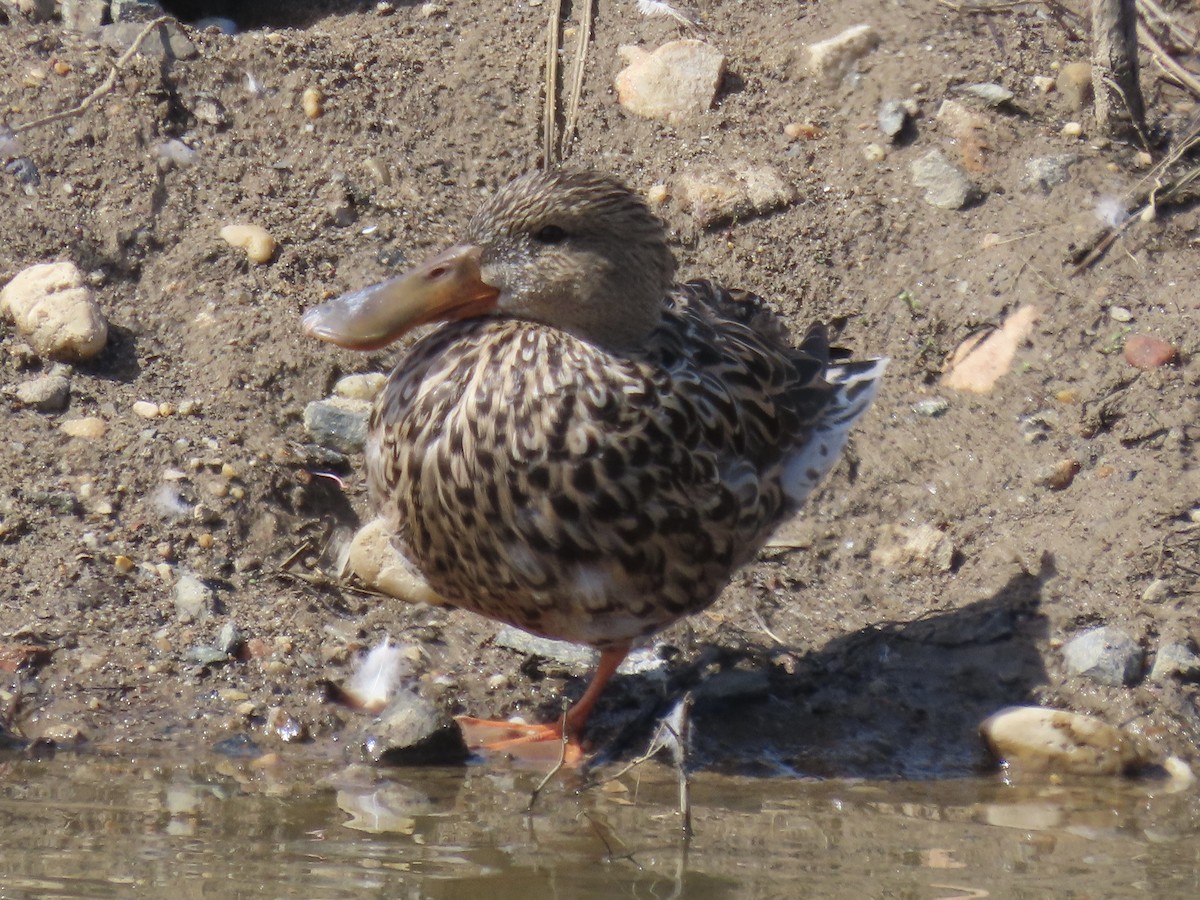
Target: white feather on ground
(377, 675)
(660, 8)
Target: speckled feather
(595, 494)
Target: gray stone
(338, 423)
(946, 185)
(193, 599)
(229, 640)
(931, 407)
(1175, 660)
(411, 731)
(206, 656)
(165, 42)
(37, 10)
(47, 393)
(565, 652)
(1046, 172)
(991, 94)
(1106, 655)
(83, 15)
(135, 10)
(893, 114)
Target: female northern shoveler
(584, 448)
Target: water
(119, 827)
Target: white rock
(677, 81)
(89, 427)
(830, 60)
(54, 307)
(738, 191)
(360, 387)
(924, 547)
(193, 599)
(46, 393)
(373, 559)
(1033, 739)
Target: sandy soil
(829, 659)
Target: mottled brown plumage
(588, 450)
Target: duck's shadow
(897, 700)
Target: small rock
(1072, 130)
(893, 116)
(1075, 85)
(566, 653)
(312, 101)
(63, 734)
(1043, 84)
(1175, 660)
(54, 307)
(1120, 314)
(741, 190)
(931, 407)
(145, 409)
(411, 732)
(1156, 591)
(991, 94)
(338, 423)
(209, 110)
(37, 10)
(285, 726)
(83, 15)
(874, 153)
(807, 131)
(360, 387)
(194, 600)
(1046, 172)
(1144, 351)
(831, 60)
(375, 561)
(678, 81)
(134, 10)
(206, 656)
(923, 547)
(229, 640)
(1058, 477)
(175, 154)
(48, 393)
(1106, 655)
(89, 427)
(1033, 739)
(165, 42)
(946, 185)
(254, 239)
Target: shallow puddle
(109, 827)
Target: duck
(581, 446)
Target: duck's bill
(445, 288)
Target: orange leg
(520, 738)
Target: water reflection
(107, 827)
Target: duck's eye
(550, 234)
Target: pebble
(285, 726)
(904, 547)
(338, 423)
(1043, 83)
(1058, 476)
(37, 10)
(931, 407)
(134, 10)
(874, 153)
(145, 409)
(83, 15)
(831, 60)
(229, 639)
(375, 561)
(1144, 351)
(167, 42)
(676, 82)
(1034, 739)
(1046, 172)
(1072, 130)
(47, 393)
(893, 116)
(64, 734)
(1106, 655)
(1175, 661)
(807, 131)
(312, 102)
(411, 731)
(254, 239)
(360, 387)
(54, 307)
(1120, 314)
(88, 427)
(564, 652)
(206, 656)
(175, 154)
(1075, 85)
(735, 192)
(946, 185)
(123, 564)
(990, 93)
(194, 600)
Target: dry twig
(551, 108)
(105, 87)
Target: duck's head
(575, 250)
